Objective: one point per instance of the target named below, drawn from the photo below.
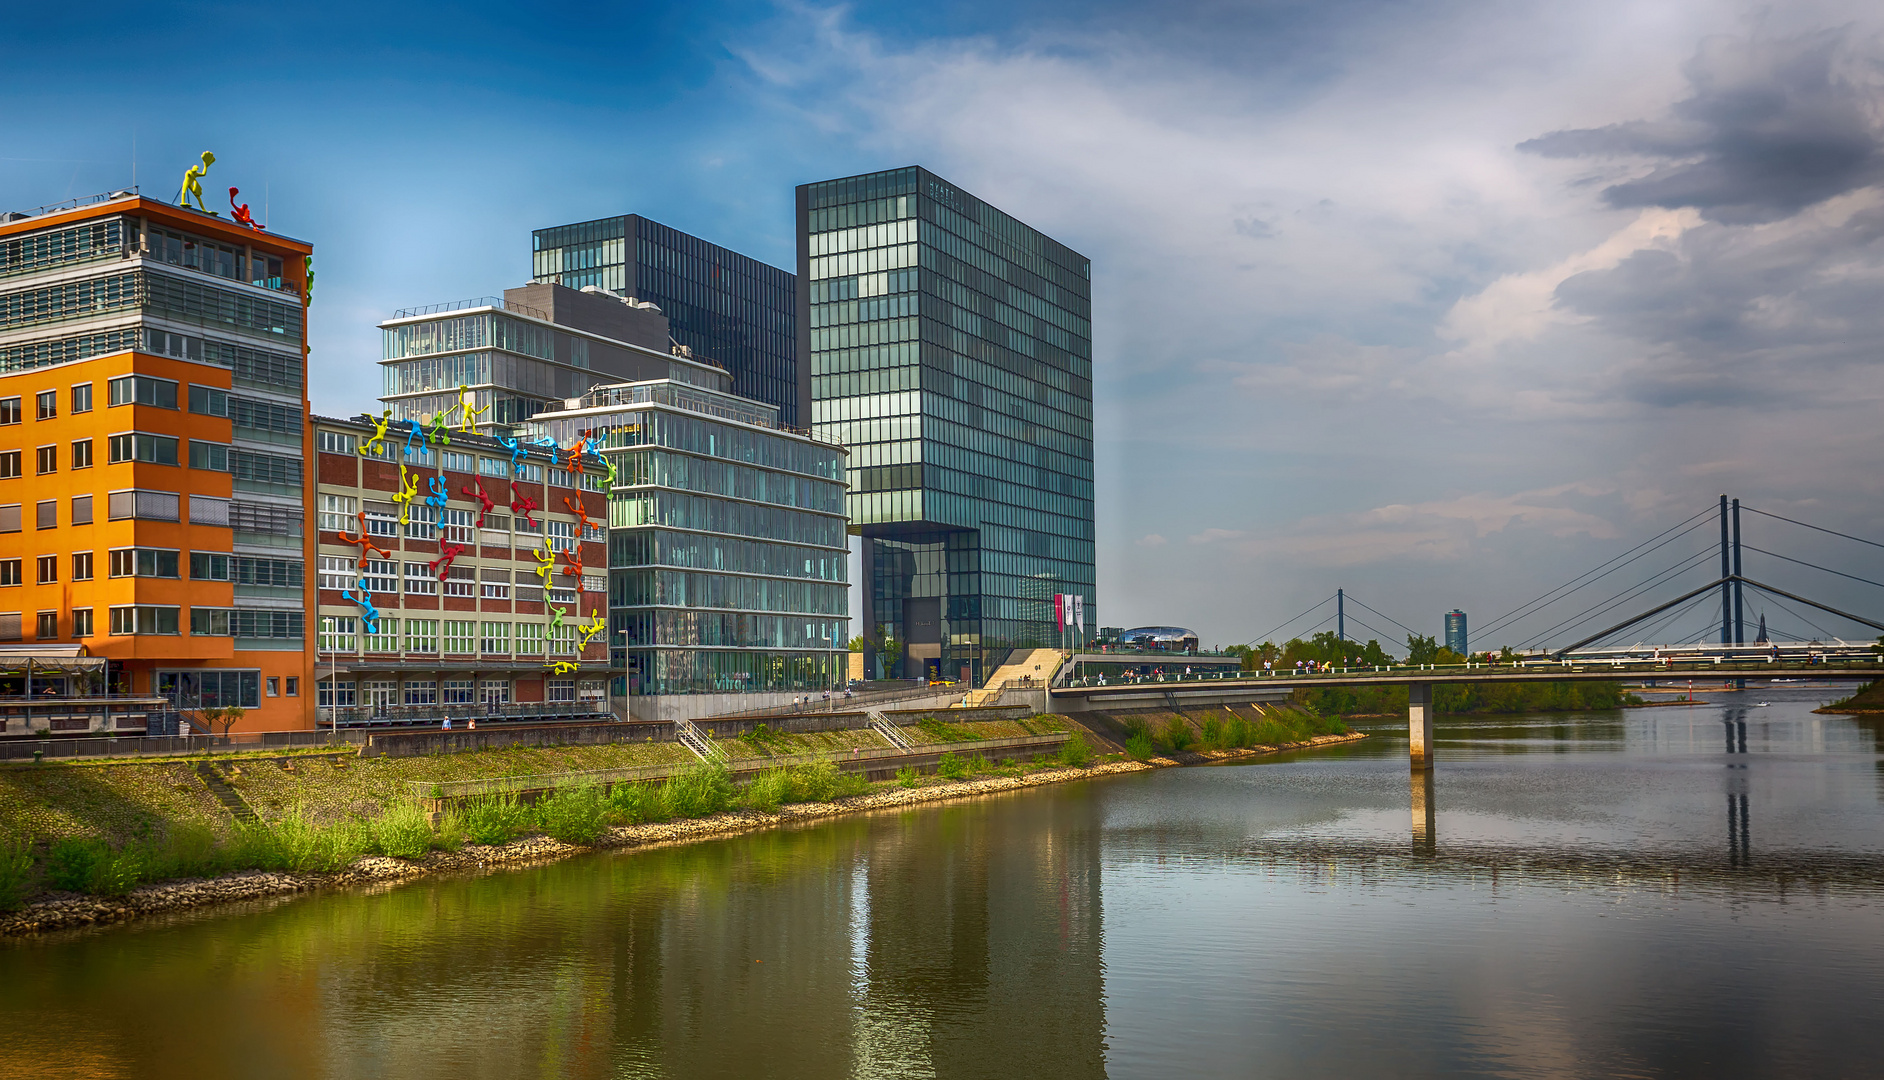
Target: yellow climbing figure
(193, 183)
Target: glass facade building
(727, 552)
(949, 348)
(734, 310)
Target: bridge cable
(1501, 619)
(1385, 616)
(1658, 578)
(1822, 631)
(1815, 566)
(1266, 637)
(1596, 609)
(1505, 621)
(1648, 636)
(1357, 619)
(1822, 529)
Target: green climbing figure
(193, 184)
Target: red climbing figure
(523, 504)
(241, 213)
(480, 496)
(447, 553)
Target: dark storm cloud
(1772, 127)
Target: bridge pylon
(1419, 723)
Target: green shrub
(1135, 725)
(403, 831)
(767, 790)
(637, 803)
(814, 782)
(951, 766)
(1076, 752)
(72, 861)
(1213, 733)
(306, 846)
(907, 776)
(849, 784)
(1176, 735)
(1138, 747)
(701, 790)
(574, 815)
(495, 819)
(16, 871)
(1236, 733)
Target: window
(10, 626)
(265, 519)
(597, 534)
(81, 566)
(460, 636)
(143, 504)
(210, 622)
(381, 576)
(9, 410)
(530, 473)
(48, 569)
(494, 692)
(81, 453)
(10, 518)
(46, 460)
(490, 466)
(455, 526)
(209, 401)
(274, 686)
(271, 573)
(594, 583)
(529, 639)
(382, 635)
(459, 692)
(82, 622)
(562, 535)
(258, 468)
(495, 640)
(336, 513)
(9, 464)
(46, 406)
(563, 643)
(562, 478)
(143, 619)
(453, 462)
(461, 581)
(382, 519)
(263, 623)
(337, 633)
(208, 566)
(335, 572)
(209, 455)
(48, 514)
(561, 690)
(81, 509)
(143, 390)
(48, 626)
(9, 571)
(143, 562)
(419, 580)
(495, 586)
(209, 510)
(139, 446)
(383, 450)
(332, 694)
(562, 595)
(216, 688)
(496, 531)
(294, 686)
(337, 442)
(421, 692)
(82, 397)
(422, 522)
(422, 635)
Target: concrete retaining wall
(791, 725)
(435, 741)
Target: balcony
(533, 712)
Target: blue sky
(1441, 303)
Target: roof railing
(69, 204)
(497, 302)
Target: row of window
(339, 513)
(381, 576)
(165, 620)
(164, 563)
(393, 448)
(463, 637)
(139, 446)
(347, 693)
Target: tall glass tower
(950, 348)
(727, 307)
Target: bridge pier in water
(1419, 723)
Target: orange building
(153, 441)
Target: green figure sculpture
(193, 183)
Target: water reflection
(1425, 807)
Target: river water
(1662, 892)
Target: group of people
(799, 703)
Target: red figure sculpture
(480, 496)
(448, 552)
(523, 504)
(241, 213)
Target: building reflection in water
(1739, 839)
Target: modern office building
(152, 363)
(950, 348)
(493, 362)
(727, 551)
(457, 578)
(1455, 632)
(734, 310)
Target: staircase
(229, 797)
(1020, 665)
(703, 747)
(882, 726)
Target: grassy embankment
(1175, 733)
(1483, 698)
(1868, 698)
(106, 828)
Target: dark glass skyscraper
(720, 304)
(950, 348)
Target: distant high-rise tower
(727, 307)
(1455, 631)
(950, 348)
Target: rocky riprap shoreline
(68, 911)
